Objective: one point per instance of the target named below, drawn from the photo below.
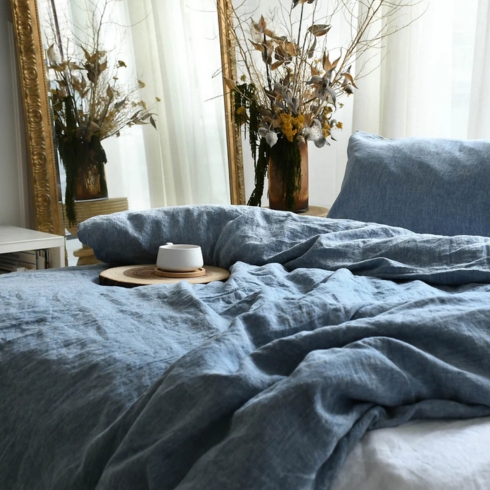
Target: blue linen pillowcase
(426, 185)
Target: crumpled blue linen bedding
(324, 330)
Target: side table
(85, 210)
(16, 239)
(316, 211)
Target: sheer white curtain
(479, 108)
(433, 78)
(176, 52)
(173, 46)
(432, 81)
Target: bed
(342, 353)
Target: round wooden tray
(144, 275)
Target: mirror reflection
(165, 54)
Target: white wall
(13, 180)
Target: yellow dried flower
(287, 126)
(290, 125)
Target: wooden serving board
(143, 275)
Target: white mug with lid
(179, 257)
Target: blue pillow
(426, 185)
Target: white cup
(179, 258)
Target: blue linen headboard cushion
(427, 185)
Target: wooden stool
(85, 210)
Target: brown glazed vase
(277, 194)
(91, 183)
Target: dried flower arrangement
(89, 104)
(290, 84)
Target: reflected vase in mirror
(83, 161)
(91, 182)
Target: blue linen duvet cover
(324, 330)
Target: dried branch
(85, 73)
(295, 78)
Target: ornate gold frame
(39, 137)
(233, 136)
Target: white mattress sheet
(421, 455)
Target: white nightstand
(15, 239)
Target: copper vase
(277, 192)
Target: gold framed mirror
(39, 137)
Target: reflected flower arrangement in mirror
(90, 102)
